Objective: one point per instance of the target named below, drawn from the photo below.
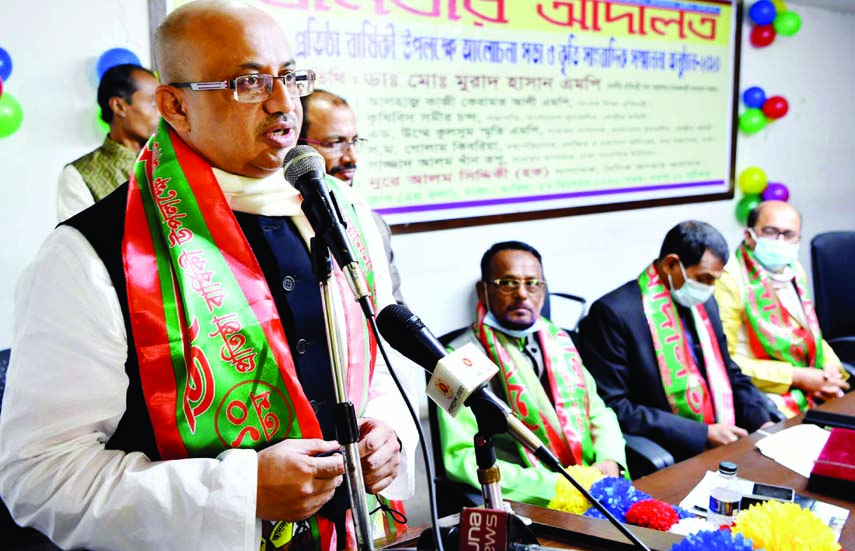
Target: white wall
(812, 150)
(54, 46)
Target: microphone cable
(429, 469)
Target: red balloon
(1, 87)
(775, 107)
(762, 35)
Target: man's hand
(719, 434)
(380, 452)
(823, 384)
(836, 385)
(608, 467)
(292, 483)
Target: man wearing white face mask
(541, 377)
(768, 317)
(656, 348)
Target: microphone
(457, 379)
(304, 169)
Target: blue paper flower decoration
(617, 495)
(714, 540)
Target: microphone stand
(344, 414)
(489, 477)
(492, 420)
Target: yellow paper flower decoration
(567, 497)
(777, 526)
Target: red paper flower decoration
(652, 513)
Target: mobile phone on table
(761, 492)
(781, 493)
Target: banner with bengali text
(476, 108)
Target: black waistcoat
(285, 262)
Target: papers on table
(796, 448)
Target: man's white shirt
(65, 395)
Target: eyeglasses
(339, 146)
(257, 88)
(509, 285)
(773, 233)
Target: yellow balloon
(779, 5)
(753, 180)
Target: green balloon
(11, 115)
(745, 205)
(752, 120)
(787, 23)
(102, 126)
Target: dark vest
(285, 262)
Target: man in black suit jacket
(619, 350)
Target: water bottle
(724, 495)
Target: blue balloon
(116, 56)
(754, 97)
(5, 65)
(762, 12)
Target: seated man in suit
(657, 351)
(768, 317)
(556, 396)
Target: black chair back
(833, 262)
(4, 366)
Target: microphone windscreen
(302, 160)
(397, 323)
(407, 334)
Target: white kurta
(65, 395)
(72, 195)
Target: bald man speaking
(170, 386)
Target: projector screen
(479, 111)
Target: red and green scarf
(773, 332)
(688, 393)
(564, 427)
(215, 366)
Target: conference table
(567, 531)
(675, 482)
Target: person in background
(768, 317)
(171, 384)
(657, 350)
(329, 125)
(126, 98)
(553, 392)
